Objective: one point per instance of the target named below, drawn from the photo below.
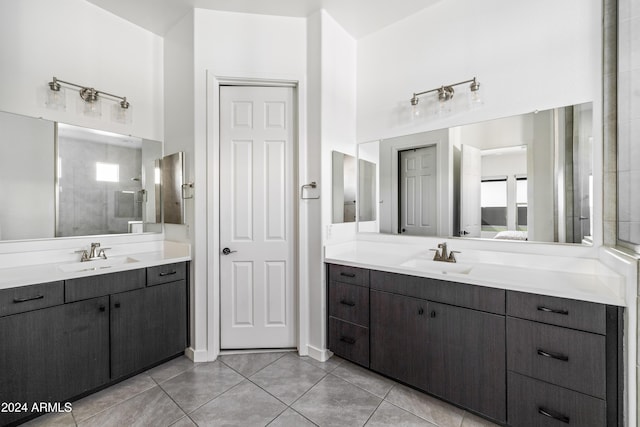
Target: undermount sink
(430, 265)
(101, 264)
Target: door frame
(395, 180)
(301, 296)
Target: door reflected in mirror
(525, 177)
(367, 191)
(343, 189)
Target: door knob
(227, 251)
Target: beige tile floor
(260, 389)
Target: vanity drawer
(352, 275)
(32, 297)
(534, 403)
(566, 357)
(586, 316)
(103, 284)
(481, 298)
(349, 302)
(349, 341)
(166, 273)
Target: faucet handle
(102, 254)
(437, 256)
(452, 257)
(84, 254)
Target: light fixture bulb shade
(475, 96)
(121, 115)
(92, 109)
(56, 99)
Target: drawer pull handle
(348, 303)
(348, 340)
(170, 273)
(551, 310)
(17, 300)
(556, 356)
(348, 274)
(551, 414)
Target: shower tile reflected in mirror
(105, 182)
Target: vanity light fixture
(445, 94)
(121, 111)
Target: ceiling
(358, 17)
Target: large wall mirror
(526, 178)
(59, 180)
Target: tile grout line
(287, 406)
(121, 401)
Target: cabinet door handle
(550, 414)
(551, 310)
(433, 313)
(17, 300)
(420, 311)
(348, 340)
(348, 303)
(556, 356)
(170, 273)
(116, 305)
(102, 308)
(347, 274)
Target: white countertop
(31, 268)
(567, 277)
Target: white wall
(76, 41)
(27, 207)
(526, 55)
(179, 136)
(338, 109)
(337, 84)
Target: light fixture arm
(88, 94)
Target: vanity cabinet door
(148, 326)
(53, 354)
(466, 358)
(399, 346)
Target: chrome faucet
(443, 255)
(94, 247)
(96, 252)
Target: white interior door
(256, 217)
(418, 191)
(470, 179)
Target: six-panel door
(257, 149)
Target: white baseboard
(321, 355)
(197, 355)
